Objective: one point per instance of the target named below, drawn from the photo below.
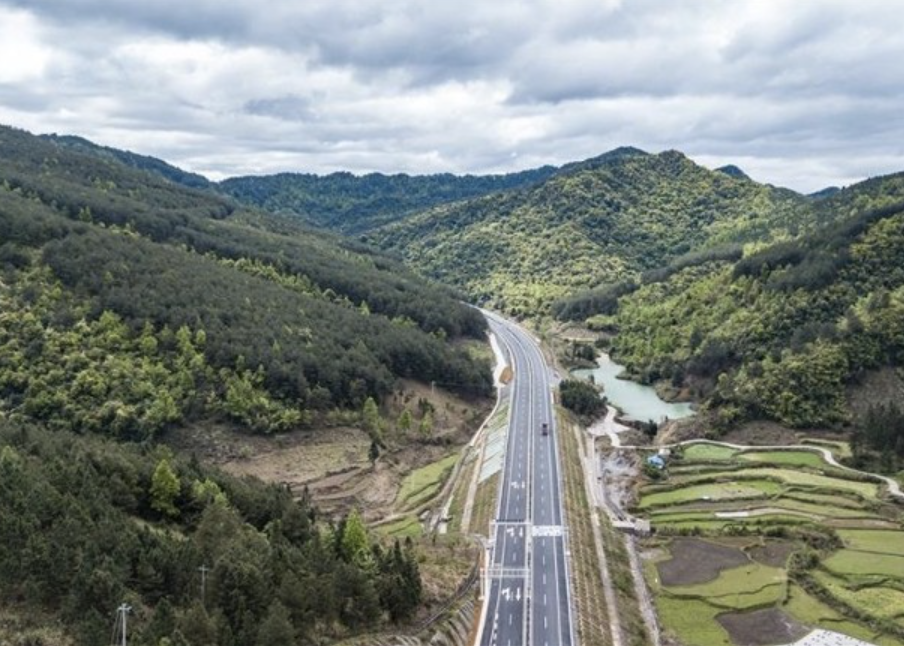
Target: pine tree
(276, 629)
(354, 547)
(164, 489)
(426, 425)
(197, 626)
(405, 421)
(370, 419)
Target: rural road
(528, 588)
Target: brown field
(761, 627)
(695, 561)
(773, 553)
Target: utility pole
(203, 570)
(123, 611)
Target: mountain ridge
(598, 222)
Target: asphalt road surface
(528, 598)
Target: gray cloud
(800, 94)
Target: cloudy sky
(800, 93)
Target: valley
(513, 323)
(284, 369)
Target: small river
(636, 401)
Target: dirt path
(609, 427)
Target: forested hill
(131, 303)
(781, 332)
(597, 222)
(142, 162)
(354, 204)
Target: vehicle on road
(544, 429)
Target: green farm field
(407, 525)
(793, 477)
(749, 586)
(712, 491)
(873, 540)
(828, 500)
(814, 612)
(424, 483)
(854, 563)
(693, 622)
(718, 492)
(879, 601)
(704, 451)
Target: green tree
(582, 398)
(276, 629)
(370, 418)
(405, 421)
(205, 492)
(354, 546)
(400, 583)
(164, 489)
(426, 425)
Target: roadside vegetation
(582, 398)
(593, 626)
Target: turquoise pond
(636, 401)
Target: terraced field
(756, 547)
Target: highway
(528, 590)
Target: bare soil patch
(333, 462)
(680, 430)
(773, 553)
(761, 627)
(633, 437)
(293, 458)
(300, 460)
(696, 561)
(619, 473)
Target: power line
(121, 613)
(203, 570)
